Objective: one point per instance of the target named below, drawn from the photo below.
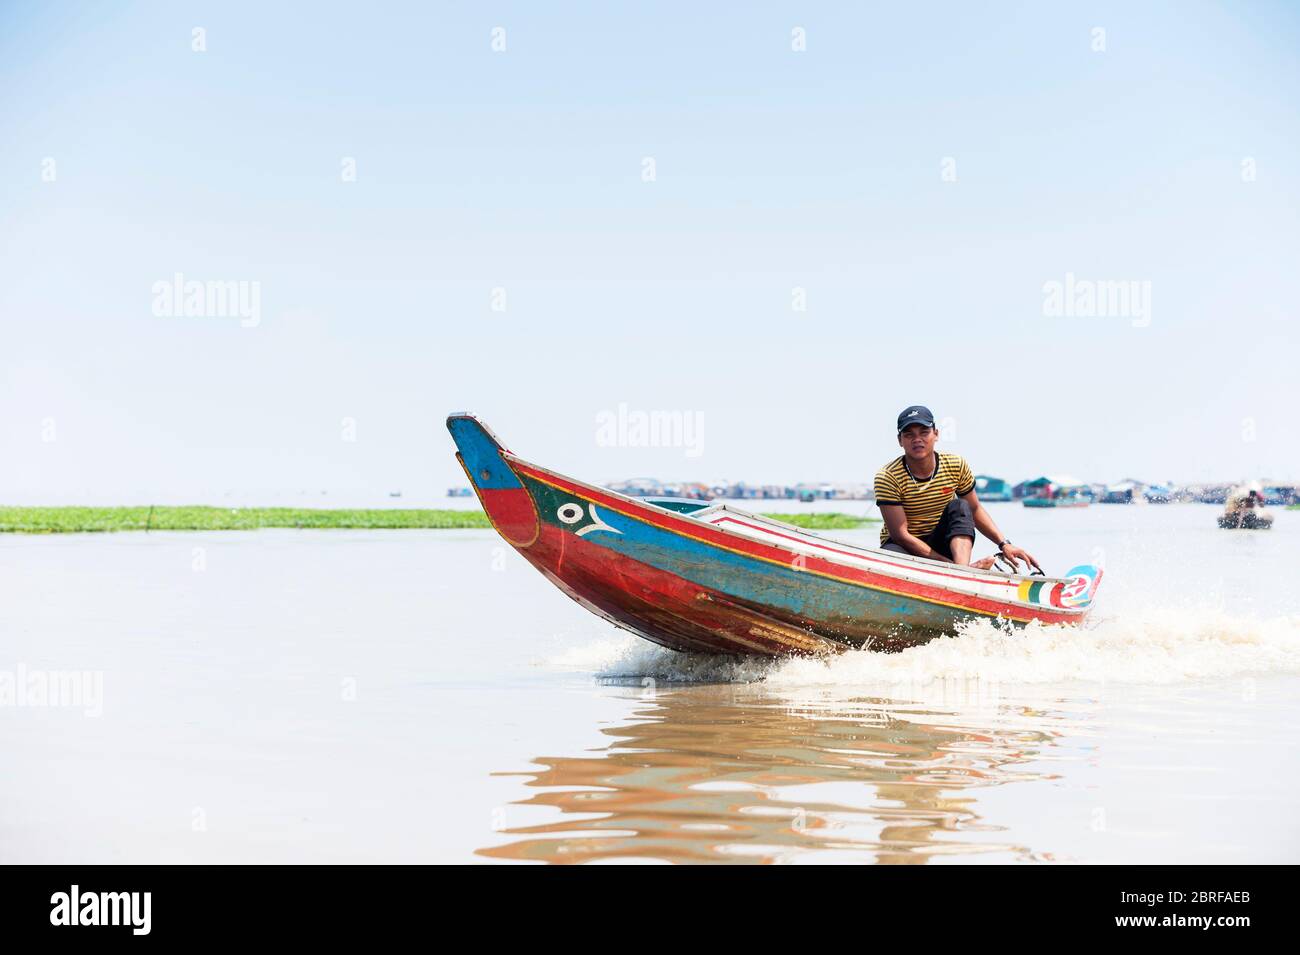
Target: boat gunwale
(876, 554)
(685, 523)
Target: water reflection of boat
(727, 774)
(717, 579)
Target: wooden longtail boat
(716, 579)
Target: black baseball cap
(915, 414)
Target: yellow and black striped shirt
(923, 501)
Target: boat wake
(1153, 646)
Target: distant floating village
(740, 491)
(1056, 489)
(1062, 489)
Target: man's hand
(984, 524)
(1014, 553)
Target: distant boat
(1125, 492)
(1057, 502)
(1057, 492)
(1245, 509)
(1246, 521)
(992, 488)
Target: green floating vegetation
(830, 521)
(72, 520)
(81, 520)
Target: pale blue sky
(522, 169)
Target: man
(928, 501)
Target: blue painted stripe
(481, 454)
(807, 595)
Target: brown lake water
(333, 696)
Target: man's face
(917, 441)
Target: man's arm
(983, 519)
(985, 525)
(896, 520)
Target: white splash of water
(1154, 646)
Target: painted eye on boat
(569, 513)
